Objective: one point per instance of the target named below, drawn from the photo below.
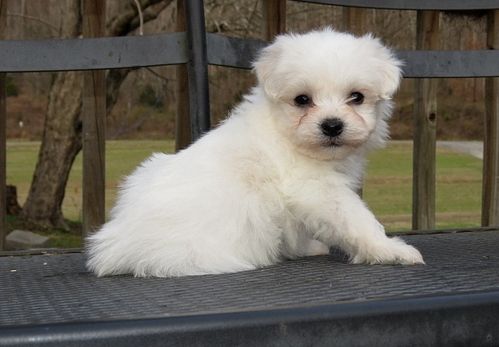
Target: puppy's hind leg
(299, 244)
(311, 247)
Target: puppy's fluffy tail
(103, 257)
(109, 253)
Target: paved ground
(474, 148)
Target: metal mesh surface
(58, 288)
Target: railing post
(197, 69)
(274, 13)
(94, 120)
(490, 182)
(182, 120)
(354, 20)
(3, 117)
(425, 117)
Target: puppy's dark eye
(356, 98)
(303, 100)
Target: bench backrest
(197, 49)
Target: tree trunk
(62, 139)
(61, 143)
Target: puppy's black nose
(332, 127)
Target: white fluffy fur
(265, 185)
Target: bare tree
(62, 140)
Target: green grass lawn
(121, 158)
(387, 190)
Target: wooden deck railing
(192, 49)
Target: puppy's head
(331, 91)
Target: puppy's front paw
(389, 251)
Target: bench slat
(425, 117)
(168, 49)
(3, 137)
(490, 182)
(446, 5)
(232, 51)
(239, 53)
(448, 64)
(197, 69)
(92, 53)
(94, 124)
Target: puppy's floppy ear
(388, 67)
(391, 75)
(266, 64)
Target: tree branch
(128, 20)
(118, 26)
(150, 14)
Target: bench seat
(52, 298)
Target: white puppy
(276, 180)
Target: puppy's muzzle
(332, 127)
